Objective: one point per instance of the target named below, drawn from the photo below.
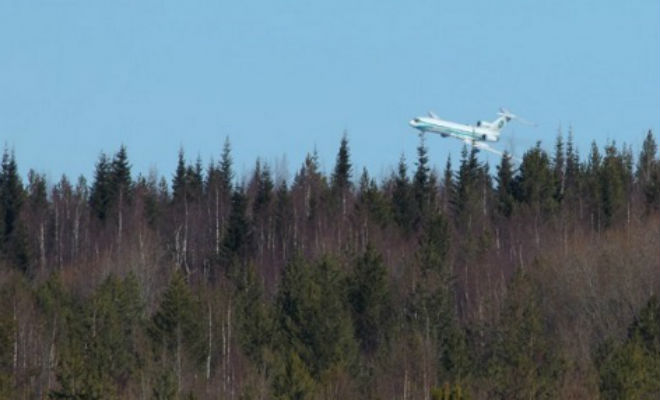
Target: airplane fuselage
(459, 131)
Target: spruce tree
(421, 185)
(226, 171)
(180, 181)
(120, 177)
(341, 176)
(370, 299)
(12, 195)
(535, 183)
(402, 202)
(648, 172)
(523, 363)
(505, 186)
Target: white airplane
(474, 135)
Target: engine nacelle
(484, 124)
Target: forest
(531, 279)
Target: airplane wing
(484, 146)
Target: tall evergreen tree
(12, 195)
(370, 299)
(523, 364)
(226, 171)
(402, 201)
(341, 176)
(100, 196)
(505, 186)
(421, 186)
(648, 172)
(180, 181)
(612, 184)
(559, 168)
(535, 183)
(120, 176)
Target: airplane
(474, 135)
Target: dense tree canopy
(535, 278)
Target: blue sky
(283, 77)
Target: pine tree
(120, 177)
(226, 171)
(255, 325)
(99, 198)
(370, 300)
(341, 176)
(175, 328)
(535, 183)
(559, 168)
(523, 363)
(505, 186)
(237, 241)
(180, 181)
(313, 318)
(402, 202)
(421, 186)
(648, 172)
(447, 185)
(12, 195)
(293, 380)
(612, 181)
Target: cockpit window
(416, 119)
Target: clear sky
(281, 77)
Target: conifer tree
(255, 325)
(370, 300)
(535, 183)
(421, 186)
(559, 168)
(402, 201)
(226, 171)
(100, 196)
(612, 181)
(175, 327)
(12, 195)
(237, 241)
(505, 186)
(180, 181)
(447, 185)
(523, 364)
(341, 176)
(120, 177)
(648, 172)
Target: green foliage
(341, 177)
(370, 300)
(648, 172)
(237, 240)
(535, 185)
(176, 324)
(630, 370)
(423, 185)
(165, 387)
(12, 195)
(402, 199)
(254, 315)
(612, 181)
(294, 381)
(505, 186)
(98, 352)
(523, 363)
(449, 392)
(313, 318)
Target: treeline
(537, 279)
